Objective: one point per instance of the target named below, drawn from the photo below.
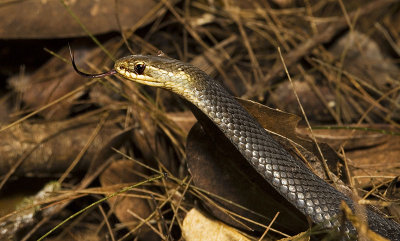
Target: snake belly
(291, 178)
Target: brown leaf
(185, 120)
(315, 108)
(363, 149)
(304, 236)
(49, 19)
(115, 140)
(273, 120)
(380, 162)
(126, 207)
(153, 143)
(364, 59)
(197, 226)
(349, 139)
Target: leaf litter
(110, 133)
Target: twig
(269, 227)
(107, 223)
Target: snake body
(291, 178)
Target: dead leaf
(120, 172)
(49, 19)
(197, 227)
(315, 108)
(364, 59)
(304, 236)
(378, 163)
(185, 120)
(273, 120)
(349, 139)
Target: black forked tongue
(108, 73)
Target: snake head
(138, 68)
(159, 71)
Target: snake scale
(291, 178)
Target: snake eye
(139, 68)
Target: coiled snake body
(292, 179)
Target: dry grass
(340, 84)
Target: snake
(307, 192)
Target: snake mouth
(139, 78)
